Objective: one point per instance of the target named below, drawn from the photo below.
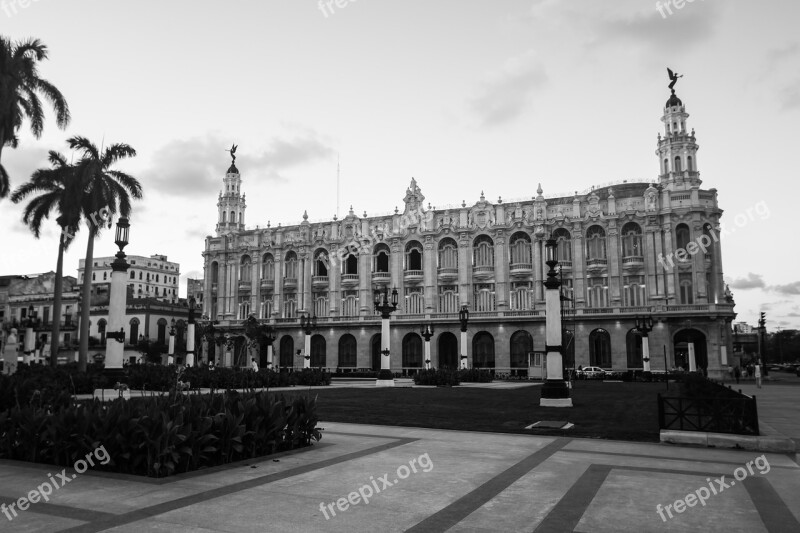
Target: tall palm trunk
(58, 288)
(86, 302)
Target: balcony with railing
(268, 284)
(349, 279)
(383, 277)
(319, 282)
(596, 263)
(632, 261)
(448, 272)
(413, 275)
(289, 283)
(482, 271)
(245, 286)
(521, 268)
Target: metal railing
(718, 414)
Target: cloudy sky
(463, 95)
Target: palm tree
(59, 189)
(106, 191)
(20, 88)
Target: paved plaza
(367, 478)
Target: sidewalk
(475, 482)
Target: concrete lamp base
(555, 393)
(384, 382)
(555, 402)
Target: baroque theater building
(631, 250)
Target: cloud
(789, 288)
(507, 93)
(683, 30)
(193, 167)
(751, 281)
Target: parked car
(591, 372)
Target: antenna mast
(337, 185)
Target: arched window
(412, 351)
(321, 263)
(287, 351)
(381, 258)
(233, 218)
(600, 348)
(291, 265)
(321, 307)
(483, 252)
(597, 289)
(632, 240)
(290, 305)
(267, 306)
(413, 256)
(689, 164)
(246, 269)
(267, 267)
(678, 164)
(224, 217)
(347, 351)
(134, 336)
(521, 345)
(318, 355)
(101, 330)
(666, 166)
(634, 291)
(563, 237)
(686, 288)
(415, 301)
(350, 265)
(682, 236)
(133, 274)
(483, 350)
(350, 303)
(448, 254)
(162, 331)
(448, 350)
(448, 299)
(520, 247)
(633, 343)
(596, 243)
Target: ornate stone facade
(625, 250)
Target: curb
(775, 444)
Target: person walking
(737, 373)
(253, 364)
(757, 374)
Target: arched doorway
(600, 348)
(448, 350)
(318, 355)
(633, 342)
(412, 351)
(347, 351)
(568, 343)
(375, 350)
(287, 351)
(483, 350)
(521, 345)
(681, 342)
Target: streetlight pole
(463, 317)
(29, 343)
(115, 341)
(644, 325)
(427, 333)
(190, 333)
(308, 323)
(555, 392)
(385, 308)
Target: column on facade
(365, 281)
(430, 273)
(699, 265)
(614, 258)
(301, 283)
(308, 271)
(670, 261)
(578, 266)
(277, 298)
(255, 288)
(396, 266)
(334, 280)
(716, 274)
(651, 246)
(501, 273)
(207, 282)
(464, 270)
(538, 271)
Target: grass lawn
(622, 411)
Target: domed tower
(677, 149)
(231, 204)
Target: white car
(591, 372)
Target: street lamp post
(171, 350)
(555, 392)
(644, 325)
(115, 341)
(463, 316)
(308, 323)
(190, 333)
(29, 343)
(385, 307)
(427, 333)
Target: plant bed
(162, 435)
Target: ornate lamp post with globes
(385, 308)
(115, 341)
(644, 325)
(463, 316)
(308, 323)
(555, 392)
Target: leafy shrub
(51, 383)
(162, 435)
(438, 377)
(475, 375)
